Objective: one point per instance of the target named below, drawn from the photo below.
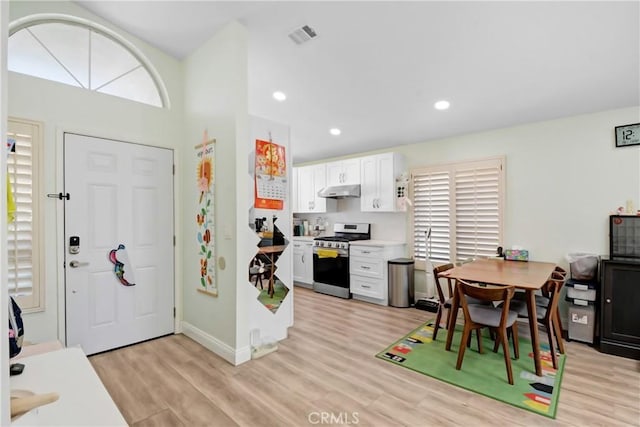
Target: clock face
(628, 135)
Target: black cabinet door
(621, 302)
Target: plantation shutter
(478, 192)
(462, 203)
(22, 233)
(431, 199)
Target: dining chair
(444, 302)
(548, 314)
(500, 319)
(542, 301)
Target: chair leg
(437, 326)
(450, 320)
(496, 341)
(557, 329)
(507, 357)
(466, 334)
(479, 339)
(552, 346)
(516, 343)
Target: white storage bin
(586, 291)
(582, 323)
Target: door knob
(76, 264)
(608, 300)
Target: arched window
(78, 52)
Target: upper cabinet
(378, 175)
(310, 180)
(343, 172)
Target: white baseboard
(231, 355)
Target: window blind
(431, 196)
(23, 233)
(462, 204)
(478, 217)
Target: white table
(83, 399)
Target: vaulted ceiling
(376, 69)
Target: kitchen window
(24, 232)
(462, 204)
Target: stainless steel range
(331, 258)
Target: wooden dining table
(527, 275)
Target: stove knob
(329, 244)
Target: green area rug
(483, 373)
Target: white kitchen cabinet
(310, 180)
(369, 271)
(343, 172)
(378, 175)
(303, 261)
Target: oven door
(331, 271)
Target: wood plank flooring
(327, 368)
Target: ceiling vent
(303, 34)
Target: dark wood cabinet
(620, 308)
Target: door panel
(120, 193)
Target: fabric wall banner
(205, 215)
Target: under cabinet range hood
(340, 191)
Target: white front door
(119, 194)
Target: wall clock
(628, 135)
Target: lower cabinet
(368, 269)
(620, 302)
(303, 262)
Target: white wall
(273, 325)
(563, 178)
(216, 98)
(66, 108)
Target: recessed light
(279, 96)
(335, 131)
(442, 105)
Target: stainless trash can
(401, 282)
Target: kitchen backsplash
(384, 225)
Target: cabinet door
(386, 183)
(299, 269)
(368, 184)
(311, 179)
(621, 302)
(335, 173)
(318, 204)
(351, 171)
(295, 203)
(307, 260)
(305, 189)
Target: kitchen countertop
(304, 238)
(377, 243)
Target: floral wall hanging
(205, 215)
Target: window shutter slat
(462, 203)
(23, 259)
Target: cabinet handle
(365, 286)
(296, 246)
(303, 258)
(364, 267)
(366, 252)
(608, 300)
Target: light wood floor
(327, 365)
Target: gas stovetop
(345, 233)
